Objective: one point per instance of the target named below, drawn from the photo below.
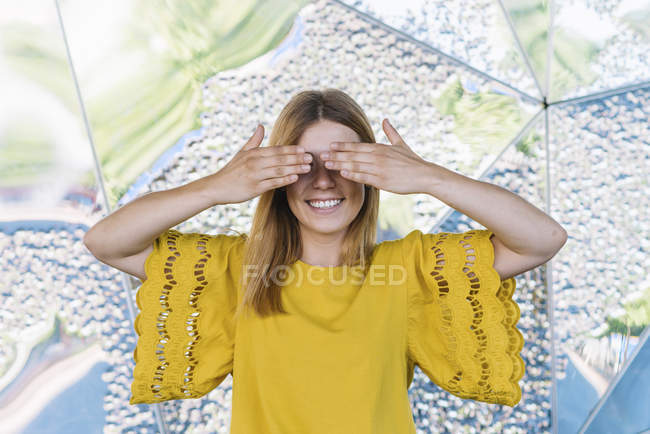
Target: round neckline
(319, 266)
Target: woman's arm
(129, 231)
(524, 236)
(133, 227)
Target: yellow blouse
(343, 359)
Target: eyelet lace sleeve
(461, 316)
(185, 325)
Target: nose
(323, 177)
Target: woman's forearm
(521, 226)
(134, 226)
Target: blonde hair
(274, 238)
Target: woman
(321, 328)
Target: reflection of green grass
(27, 156)
(527, 142)
(572, 56)
(395, 212)
(203, 38)
(487, 121)
(136, 119)
(637, 317)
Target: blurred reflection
(173, 89)
(600, 149)
(472, 31)
(40, 123)
(626, 407)
(50, 306)
(599, 45)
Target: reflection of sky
(577, 19)
(78, 409)
(577, 397)
(625, 408)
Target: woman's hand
(395, 168)
(254, 170)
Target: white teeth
(324, 204)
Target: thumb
(393, 135)
(255, 139)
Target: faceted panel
(599, 45)
(141, 65)
(520, 170)
(626, 407)
(601, 196)
(474, 32)
(530, 19)
(52, 315)
(46, 172)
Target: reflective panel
(599, 45)
(54, 318)
(474, 32)
(38, 179)
(626, 406)
(173, 89)
(141, 65)
(600, 195)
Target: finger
(392, 134)
(283, 159)
(365, 157)
(355, 146)
(270, 183)
(255, 139)
(270, 151)
(281, 171)
(361, 178)
(352, 166)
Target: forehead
(317, 138)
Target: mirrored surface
(600, 150)
(624, 407)
(173, 89)
(54, 318)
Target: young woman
(320, 327)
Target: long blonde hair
(274, 238)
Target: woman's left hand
(395, 168)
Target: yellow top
(343, 359)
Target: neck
(323, 250)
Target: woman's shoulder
(394, 248)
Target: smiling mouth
(325, 205)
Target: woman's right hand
(254, 170)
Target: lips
(325, 210)
(329, 198)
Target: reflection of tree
(572, 54)
(635, 318)
(486, 120)
(137, 119)
(32, 54)
(180, 45)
